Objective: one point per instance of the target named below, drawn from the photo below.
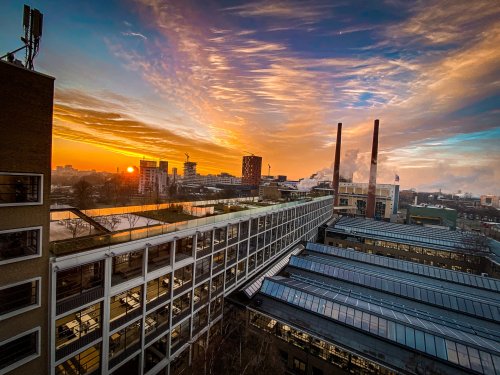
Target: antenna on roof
(32, 25)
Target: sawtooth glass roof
(409, 267)
(409, 234)
(465, 348)
(428, 293)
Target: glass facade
(327, 351)
(160, 304)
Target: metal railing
(66, 247)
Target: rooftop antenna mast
(187, 157)
(32, 25)
(269, 170)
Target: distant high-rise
(189, 172)
(251, 170)
(174, 175)
(153, 179)
(25, 159)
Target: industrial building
(26, 122)
(251, 170)
(490, 201)
(355, 194)
(461, 251)
(429, 215)
(143, 302)
(339, 311)
(369, 200)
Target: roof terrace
(137, 228)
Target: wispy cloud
(232, 86)
(295, 10)
(133, 34)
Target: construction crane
(246, 152)
(187, 157)
(269, 170)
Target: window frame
(40, 189)
(27, 359)
(38, 245)
(26, 308)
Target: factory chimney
(336, 165)
(372, 185)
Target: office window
(20, 189)
(157, 320)
(159, 256)
(18, 298)
(127, 339)
(180, 334)
(202, 269)
(232, 232)
(87, 362)
(155, 353)
(19, 350)
(201, 293)
(184, 248)
(77, 325)
(79, 280)
(19, 244)
(299, 366)
(158, 289)
(126, 266)
(183, 277)
(127, 303)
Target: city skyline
(154, 79)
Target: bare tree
(76, 226)
(132, 221)
(110, 222)
(149, 221)
(235, 351)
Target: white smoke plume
(348, 166)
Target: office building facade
(146, 306)
(26, 122)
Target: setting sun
(130, 169)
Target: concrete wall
(26, 99)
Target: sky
(218, 80)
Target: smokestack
(372, 185)
(336, 165)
